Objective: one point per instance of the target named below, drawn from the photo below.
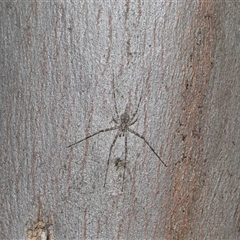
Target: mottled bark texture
(58, 62)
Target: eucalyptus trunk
(70, 69)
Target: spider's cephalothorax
(125, 119)
(123, 124)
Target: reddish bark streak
(186, 185)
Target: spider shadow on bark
(122, 125)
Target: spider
(123, 123)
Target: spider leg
(115, 120)
(142, 137)
(140, 99)
(131, 123)
(114, 98)
(125, 162)
(110, 151)
(96, 133)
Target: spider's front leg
(115, 120)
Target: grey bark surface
(58, 61)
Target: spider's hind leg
(110, 151)
(125, 162)
(143, 138)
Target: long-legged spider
(123, 123)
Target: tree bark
(63, 62)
